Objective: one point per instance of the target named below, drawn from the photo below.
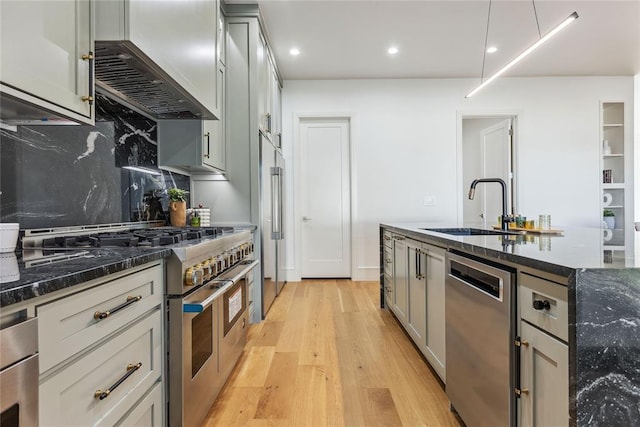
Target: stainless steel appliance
(19, 373)
(272, 202)
(479, 299)
(206, 287)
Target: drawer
(554, 316)
(388, 261)
(148, 412)
(68, 326)
(387, 239)
(68, 398)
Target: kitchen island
(603, 309)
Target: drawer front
(553, 315)
(69, 397)
(386, 239)
(68, 326)
(148, 412)
(388, 261)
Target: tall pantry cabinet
(252, 108)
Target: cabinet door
(264, 86)
(400, 292)
(214, 142)
(222, 38)
(188, 51)
(545, 375)
(275, 106)
(416, 314)
(42, 47)
(435, 278)
(148, 412)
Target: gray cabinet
(544, 355)
(46, 59)
(417, 284)
(434, 272)
(400, 279)
(192, 146)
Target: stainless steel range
(206, 290)
(207, 311)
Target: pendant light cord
(486, 38)
(535, 13)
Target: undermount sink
(470, 231)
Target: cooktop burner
(156, 236)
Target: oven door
(194, 380)
(234, 315)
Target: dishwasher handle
(476, 278)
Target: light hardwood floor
(327, 355)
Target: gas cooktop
(87, 237)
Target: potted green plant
(177, 206)
(609, 218)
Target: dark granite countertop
(37, 276)
(577, 248)
(27, 274)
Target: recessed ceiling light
(392, 50)
(294, 52)
(492, 49)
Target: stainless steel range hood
(127, 73)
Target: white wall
(404, 144)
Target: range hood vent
(125, 72)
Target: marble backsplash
(53, 176)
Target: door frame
(297, 189)
(517, 117)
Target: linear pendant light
(533, 47)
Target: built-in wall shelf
(613, 177)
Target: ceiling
(341, 39)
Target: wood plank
(254, 368)
(309, 397)
(269, 334)
(277, 394)
(379, 408)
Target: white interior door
(325, 198)
(496, 163)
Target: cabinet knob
(521, 391)
(541, 305)
(87, 99)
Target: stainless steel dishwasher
(479, 335)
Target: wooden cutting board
(531, 230)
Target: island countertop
(563, 254)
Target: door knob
(306, 218)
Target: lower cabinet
(400, 279)
(102, 353)
(417, 292)
(148, 412)
(544, 397)
(434, 273)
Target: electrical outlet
(429, 201)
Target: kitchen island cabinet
(582, 362)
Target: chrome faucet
(505, 217)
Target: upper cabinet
(268, 93)
(169, 51)
(46, 60)
(615, 181)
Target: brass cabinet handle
(388, 261)
(387, 238)
(521, 391)
(103, 394)
(100, 315)
(89, 57)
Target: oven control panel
(216, 264)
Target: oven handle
(199, 306)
